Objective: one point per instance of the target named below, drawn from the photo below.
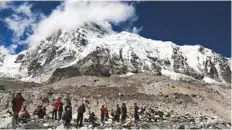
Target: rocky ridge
(94, 50)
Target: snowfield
(67, 48)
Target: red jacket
(103, 110)
(56, 104)
(19, 103)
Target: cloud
(72, 14)
(20, 22)
(3, 50)
(8, 50)
(4, 5)
(24, 9)
(30, 28)
(137, 30)
(11, 48)
(18, 25)
(134, 29)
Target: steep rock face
(97, 63)
(51, 53)
(180, 64)
(2, 56)
(62, 73)
(224, 68)
(93, 50)
(100, 63)
(208, 63)
(210, 69)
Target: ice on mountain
(210, 81)
(65, 49)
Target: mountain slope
(94, 50)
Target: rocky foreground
(149, 118)
(164, 103)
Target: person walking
(80, 115)
(67, 117)
(117, 113)
(17, 103)
(55, 107)
(124, 112)
(106, 114)
(103, 111)
(60, 110)
(112, 113)
(136, 116)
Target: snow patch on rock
(66, 48)
(210, 81)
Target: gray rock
(221, 126)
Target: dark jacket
(124, 110)
(40, 112)
(136, 108)
(81, 109)
(68, 112)
(118, 111)
(60, 109)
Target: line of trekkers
(119, 114)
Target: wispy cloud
(69, 15)
(20, 22)
(72, 14)
(11, 48)
(8, 50)
(4, 5)
(136, 30)
(4, 50)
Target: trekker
(67, 117)
(118, 113)
(9, 112)
(136, 116)
(17, 103)
(60, 110)
(23, 114)
(92, 119)
(55, 107)
(103, 112)
(81, 111)
(44, 109)
(40, 112)
(106, 114)
(112, 114)
(124, 113)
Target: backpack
(67, 113)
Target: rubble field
(163, 103)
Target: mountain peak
(94, 50)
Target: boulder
(145, 125)
(7, 123)
(221, 126)
(181, 127)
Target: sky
(24, 24)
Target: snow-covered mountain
(94, 50)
